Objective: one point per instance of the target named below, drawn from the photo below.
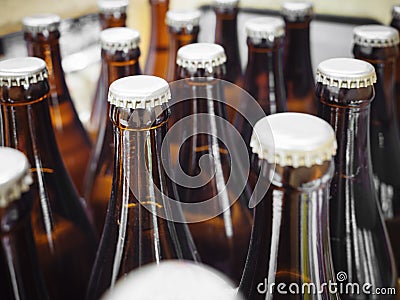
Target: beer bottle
(140, 226)
(226, 35)
(264, 74)
(64, 238)
(112, 14)
(120, 58)
(42, 38)
(290, 235)
(221, 237)
(378, 45)
(21, 277)
(157, 56)
(183, 27)
(396, 24)
(359, 243)
(297, 68)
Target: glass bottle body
(72, 140)
(64, 238)
(359, 241)
(396, 24)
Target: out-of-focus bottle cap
(111, 6)
(119, 39)
(226, 4)
(376, 36)
(183, 18)
(22, 71)
(299, 140)
(201, 56)
(346, 73)
(297, 10)
(15, 176)
(175, 280)
(396, 11)
(139, 91)
(40, 23)
(267, 28)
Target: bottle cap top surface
(299, 140)
(22, 71)
(396, 11)
(15, 176)
(297, 10)
(183, 18)
(201, 56)
(110, 6)
(346, 73)
(267, 28)
(41, 22)
(226, 3)
(119, 39)
(377, 36)
(139, 91)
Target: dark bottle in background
(395, 22)
(359, 241)
(42, 40)
(297, 67)
(157, 55)
(120, 58)
(183, 28)
(135, 232)
(290, 236)
(64, 237)
(21, 277)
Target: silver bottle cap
(22, 71)
(267, 28)
(299, 140)
(185, 19)
(201, 56)
(396, 11)
(15, 176)
(111, 6)
(297, 10)
(226, 4)
(346, 73)
(139, 91)
(119, 39)
(377, 36)
(41, 23)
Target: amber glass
(100, 171)
(157, 56)
(396, 24)
(133, 235)
(359, 241)
(264, 81)
(222, 241)
(178, 37)
(21, 277)
(72, 139)
(64, 238)
(107, 20)
(298, 73)
(290, 236)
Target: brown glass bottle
(359, 241)
(290, 237)
(21, 277)
(297, 68)
(264, 73)
(157, 56)
(112, 13)
(378, 45)
(120, 58)
(396, 24)
(221, 238)
(64, 238)
(183, 27)
(135, 232)
(42, 38)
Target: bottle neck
(177, 39)
(112, 19)
(264, 75)
(47, 47)
(159, 30)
